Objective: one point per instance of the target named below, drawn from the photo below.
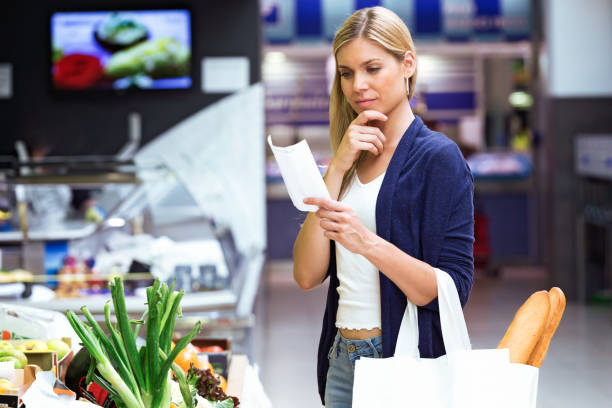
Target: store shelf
(67, 230)
(199, 301)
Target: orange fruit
(222, 381)
(186, 357)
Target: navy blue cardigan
(425, 208)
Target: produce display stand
(226, 312)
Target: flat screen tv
(105, 50)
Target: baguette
(557, 306)
(527, 327)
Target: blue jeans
(342, 356)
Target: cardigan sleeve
(448, 234)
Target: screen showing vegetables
(145, 49)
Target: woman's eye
(345, 74)
(373, 69)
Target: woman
(403, 207)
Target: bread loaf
(557, 306)
(527, 327)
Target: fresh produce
(222, 381)
(60, 347)
(187, 357)
(557, 306)
(208, 385)
(12, 359)
(526, 327)
(6, 385)
(33, 345)
(211, 349)
(136, 378)
(16, 354)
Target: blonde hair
(387, 29)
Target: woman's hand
(359, 137)
(341, 224)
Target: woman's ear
(409, 64)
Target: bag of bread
(463, 378)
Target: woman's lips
(362, 103)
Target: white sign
(593, 155)
(6, 81)
(225, 74)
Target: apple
(59, 347)
(16, 354)
(33, 345)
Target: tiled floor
(576, 372)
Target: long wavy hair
(387, 29)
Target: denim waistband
(371, 347)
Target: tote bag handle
(452, 321)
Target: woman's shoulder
(431, 145)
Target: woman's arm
(311, 248)
(414, 277)
(417, 279)
(449, 203)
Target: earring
(407, 86)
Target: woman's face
(371, 78)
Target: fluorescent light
(115, 222)
(520, 99)
(275, 57)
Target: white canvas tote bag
(463, 378)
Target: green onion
(136, 378)
(103, 364)
(118, 296)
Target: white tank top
(359, 289)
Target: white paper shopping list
(300, 173)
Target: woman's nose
(360, 83)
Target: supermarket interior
(147, 200)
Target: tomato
(211, 349)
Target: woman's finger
(331, 215)
(325, 203)
(369, 147)
(328, 225)
(370, 130)
(331, 235)
(368, 115)
(368, 138)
